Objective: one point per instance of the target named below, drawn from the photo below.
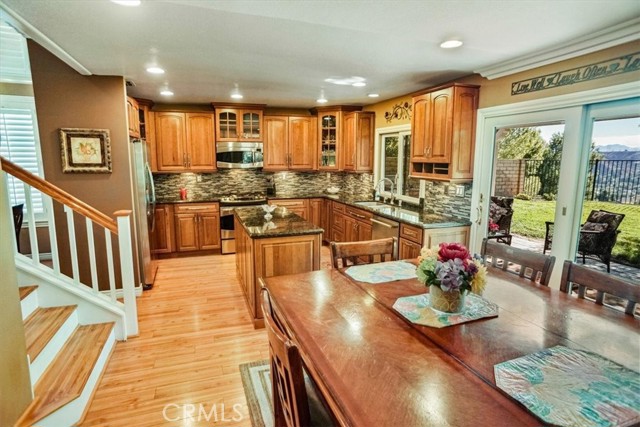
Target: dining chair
(363, 252)
(296, 401)
(582, 277)
(530, 265)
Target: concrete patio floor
(535, 245)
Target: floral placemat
(417, 309)
(569, 387)
(382, 272)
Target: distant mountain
(621, 155)
(615, 147)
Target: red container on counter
(183, 194)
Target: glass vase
(448, 302)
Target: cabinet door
(276, 156)
(441, 126)
(329, 138)
(350, 230)
(302, 143)
(162, 235)
(365, 129)
(420, 127)
(171, 141)
(326, 220)
(408, 249)
(133, 117)
(464, 132)
(364, 231)
(316, 212)
(209, 231)
(227, 125)
(251, 125)
(201, 150)
(348, 154)
(186, 232)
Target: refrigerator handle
(152, 224)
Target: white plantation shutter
(19, 143)
(14, 67)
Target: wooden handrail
(59, 195)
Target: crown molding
(618, 34)
(29, 31)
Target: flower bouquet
(451, 272)
(493, 227)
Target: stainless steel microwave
(239, 155)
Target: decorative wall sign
(401, 111)
(611, 67)
(85, 150)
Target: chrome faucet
(377, 194)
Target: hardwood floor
(194, 332)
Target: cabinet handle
(184, 159)
(189, 160)
(357, 215)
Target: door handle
(479, 210)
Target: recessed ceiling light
(346, 81)
(450, 44)
(235, 93)
(322, 100)
(166, 92)
(373, 95)
(155, 70)
(127, 2)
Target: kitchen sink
(374, 205)
(384, 208)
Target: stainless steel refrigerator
(144, 209)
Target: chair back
(529, 265)
(290, 399)
(501, 212)
(18, 216)
(587, 278)
(363, 252)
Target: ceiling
(280, 52)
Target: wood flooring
(194, 332)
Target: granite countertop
(282, 224)
(404, 214)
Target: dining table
(375, 367)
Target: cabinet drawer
(289, 203)
(338, 222)
(411, 233)
(338, 207)
(358, 214)
(196, 208)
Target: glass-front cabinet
(238, 124)
(330, 137)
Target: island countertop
(283, 223)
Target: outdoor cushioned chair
(501, 213)
(598, 236)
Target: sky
(606, 132)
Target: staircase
(70, 326)
(67, 360)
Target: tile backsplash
(438, 198)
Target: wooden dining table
(376, 368)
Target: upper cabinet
(329, 137)
(289, 143)
(133, 117)
(357, 143)
(239, 123)
(443, 133)
(185, 142)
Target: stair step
(67, 376)
(26, 290)
(42, 325)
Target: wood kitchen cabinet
(357, 224)
(317, 214)
(148, 131)
(197, 227)
(289, 143)
(133, 117)
(326, 220)
(185, 142)
(298, 206)
(443, 133)
(410, 241)
(331, 136)
(239, 122)
(358, 141)
(338, 220)
(162, 235)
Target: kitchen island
(284, 244)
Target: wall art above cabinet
(443, 133)
(239, 122)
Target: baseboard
(119, 294)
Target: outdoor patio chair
(501, 213)
(598, 236)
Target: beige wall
(67, 99)
(386, 107)
(15, 385)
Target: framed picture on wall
(85, 150)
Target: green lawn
(529, 217)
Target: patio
(536, 245)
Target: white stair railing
(94, 221)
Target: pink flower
(493, 227)
(451, 251)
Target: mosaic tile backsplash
(301, 184)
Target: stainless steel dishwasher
(383, 227)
